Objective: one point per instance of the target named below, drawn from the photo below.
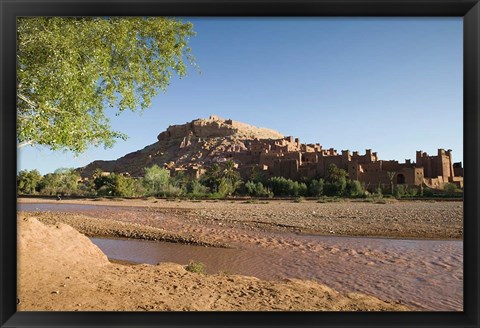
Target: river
(423, 273)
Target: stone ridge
(215, 127)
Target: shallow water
(62, 207)
(423, 273)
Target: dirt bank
(409, 219)
(59, 269)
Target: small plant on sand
(299, 199)
(195, 267)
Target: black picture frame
(468, 9)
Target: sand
(59, 269)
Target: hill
(193, 144)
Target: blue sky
(394, 85)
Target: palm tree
(212, 177)
(231, 175)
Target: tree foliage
(257, 189)
(156, 179)
(63, 181)
(212, 177)
(354, 189)
(336, 181)
(71, 69)
(27, 181)
(451, 189)
(315, 188)
(286, 187)
(115, 185)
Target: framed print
(222, 163)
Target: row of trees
(217, 182)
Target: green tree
(27, 181)
(231, 176)
(212, 177)
(451, 189)
(156, 178)
(354, 189)
(257, 175)
(103, 182)
(180, 180)
(115, 185)
(124, 186)
(315, 188)
(279, 186)
(257, 189)
(225, 188)
(196, 189)
(63, 181)
(286, 187)
(71, 69)
(336, 181)
(400, 191)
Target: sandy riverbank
(406, 219)
(267, 226)
(59, 269)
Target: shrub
(115, 185)
(156, 178)
(335, 188)
(400, 191)
(257, 189)
(377, 196)
(225, 187)
(412, 191)
(251, 188)
(257, 175)
(300, 189)
(62, 181)
(315, 188)
(27, 181)
(336, 181)
(405, 191)
(196, 190)
(286, 187)
(427, 192)
(354, 189)
(279, 186)
(170, 191)
(196, 267)
(451, 188)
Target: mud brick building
(289, 158)
(195, 145)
